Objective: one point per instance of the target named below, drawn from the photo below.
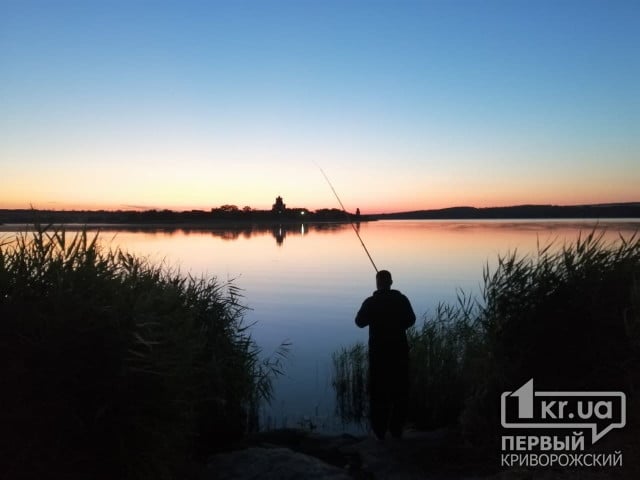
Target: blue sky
(405, 105)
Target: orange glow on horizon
(370, 198)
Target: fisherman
(388, 314)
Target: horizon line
(142, 209)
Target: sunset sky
(405, 105)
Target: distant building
(279, 207)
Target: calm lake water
(305, 283)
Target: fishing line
(344, 210)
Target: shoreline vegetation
(568, 316)
(230, 216)
(117, 368)
(113, 367)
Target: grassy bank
(568, 316)
(116, 368)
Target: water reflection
(279, 231)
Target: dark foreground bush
(115, 368)
(567, 317)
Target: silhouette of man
(388, 314)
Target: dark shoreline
(200, 219)
(522, 212)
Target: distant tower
(279, 207)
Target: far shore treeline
(233, 214)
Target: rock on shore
(260, 463)
(292, 454)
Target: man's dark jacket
(388, 314)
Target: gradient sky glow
(406, 105)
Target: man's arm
(362, 317)
(410, 316)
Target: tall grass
(568, 316)
(351, 368)
(561, 317)
(113, 367)
(443, 355)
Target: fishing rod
(348, 217)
